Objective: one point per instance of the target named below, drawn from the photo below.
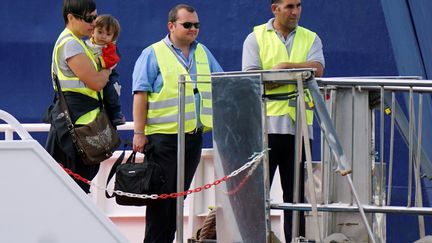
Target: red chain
(161, 196)
(239, 186)
(198, 189)
(74, 175)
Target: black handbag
(137, 178)
(95, 141)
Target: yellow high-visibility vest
(162, 115)
(74, 84)
(272, 52)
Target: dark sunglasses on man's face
(188, 25)
(88, 18)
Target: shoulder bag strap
(65, 109)
(63, 103)
(101, 105)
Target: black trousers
(161, 216)
(282, 152)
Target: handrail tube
(15, 125)
(180, 156)
(311, 182)
(298, 147)
(42, 127)
(392, 126)
(264, 72)
(417, 161)
(369, 87)
(345, 207)
(328, 129)
(266, 166)
(410, 145)
(374, 82)
(381, 181)
(381, 77)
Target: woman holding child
(74, 65)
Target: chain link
(254, 160)
(246, 178)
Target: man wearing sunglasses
(155, 109)
(282, 44)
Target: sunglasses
(88, 18)
(188, 25)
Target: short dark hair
(172, 15)
(275, 1)
(77, 7)
(110, 23)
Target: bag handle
(113, 170)
(131, 159)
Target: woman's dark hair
(172, 15)
(77, 8)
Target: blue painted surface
(380, 37)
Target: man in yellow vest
(155, 109)
(282, 44)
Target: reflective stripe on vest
(272, 52)
(73, 83)
(167, 103)
(204, 87)
(162, 115)
(170, 118)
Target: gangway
(41, 203)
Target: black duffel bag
(137, 178)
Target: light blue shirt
(148, 78)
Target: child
(102, 44)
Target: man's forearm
(139, 111)
(288, 65)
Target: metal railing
(300, 76)
(386, 89)
(9, 130)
